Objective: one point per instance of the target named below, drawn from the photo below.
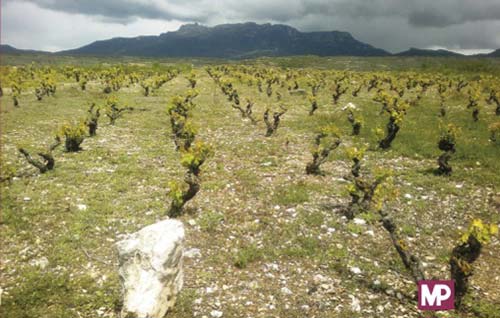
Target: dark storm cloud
(446, 13)
(128, 10)
(391, 24)
(435, 13)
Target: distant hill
(8, 49)
(423, 52)
(244, 40)
(494, 54)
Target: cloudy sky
(466, 26)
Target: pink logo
(436, 295)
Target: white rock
(286, 291)
(151, 269)
(318, 278)
(101, 311)
(408, 196)
(349, 106)
(192, 253)
(355, 270)
(216, 313)
(81, 207)
(370, 233)
(41, 262)
(359, 221)
(355, 305)
(210, 290)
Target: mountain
(242, 40)
(8, 49)
(494, 54)
(421, 52)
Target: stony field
(263, 238)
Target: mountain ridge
(240, 40)
(233, 41)
(428, 52)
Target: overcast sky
(466, 26)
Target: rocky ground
(263, 239)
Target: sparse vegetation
(256, 224)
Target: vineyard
(305, 191)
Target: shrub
(179, 108)
(494, 129)
(74, 136)
(356, 90)
(192, 79)
(466, 253)
(494, 97)
(367, 193)
(273, 126)
(396, 109)
(183, 132)
(47, 162)
(474, 97)
(146, 86)
(247, 111)
(461, 84)
(113, 112)
(442, 88)
(356, 155)
(83, 82)
(16, 93)
(92, 119)
(372, 196)
(354, 117)
(325, 141)
(447, 143)
(195, 157)
(338, 91)
(180, 194)
(314, 104)
(411, 262)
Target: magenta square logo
(436, 295)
